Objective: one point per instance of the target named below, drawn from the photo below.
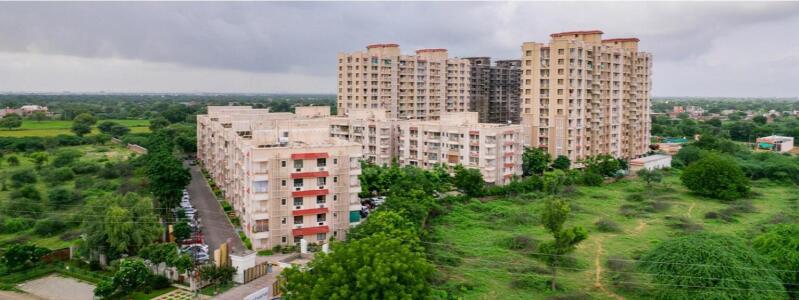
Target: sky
(722, 49)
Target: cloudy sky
(700, 49)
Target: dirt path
(638, 229)
(690, 209)
(598, 273)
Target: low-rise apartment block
(420, 86)
(458, 138)
(282, 172)
(372, 128)
(582, 95)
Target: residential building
(373, 129)
(25, 110)
(495, 90)
(420, 86)
(583, 96)
(283, 174)
(776, 143)
(458, 138)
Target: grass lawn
(151, 295)
(469, 244)
(69, 214)
(57, 127)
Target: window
(283, 239)
(283, 201)
(298, 220)
(283, 221)
(298, 164)
(297, 239)
(321, 162)
(260, 186)
(335, 178)
(335, 197)
(283, 182)
(335, 161)
(320, 181)
(321, 217)
(298, 201)
(321, 236)
(297, 182)
(283, 163)
(320, 199)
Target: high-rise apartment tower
(495, 90)
(582, 95)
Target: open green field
(57, 127)
(69, 214)
(470, 244)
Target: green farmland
(57, 127)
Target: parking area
(54, 287)
(215, 226)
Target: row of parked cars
(195, 245)
(370, 204)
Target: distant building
(652, 162)
(775, 143)
(25, 110)
(495, 90)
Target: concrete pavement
(215, 225)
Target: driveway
(215, 225)
(54, 287)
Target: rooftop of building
(651, 158)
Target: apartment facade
(372, 128)
(282, 173)
(495, 90)
(458, 138)
(582, 95)
(420, 86)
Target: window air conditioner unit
(297, 207)
(321, 223)
(321, 206)
(321, 187)
(297, 225)
(297, 188)
(321, 168)
(298, 170)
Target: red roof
(311, 211)
(310, 193)
(309, 155)
(431, 50)
(621, 40)
(309, 174)
(560, 34)
(309, 230)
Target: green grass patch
(58, 127)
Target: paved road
(54, 287)
(216, 227)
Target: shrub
(60, 175)
(84, 182)
(591, 178)
(22, 177)
(27, 192)
(49, 227)
(86, 168)
(22, 207)
(14, 225)
(520, 242)
(157, 282)
(60, 196)
(682, 223)
(716, 176)
(607, 225)
(637, 197)
(66, 157)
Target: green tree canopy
(375, 267)
(709, 266)
(562, 163)
(20, 256)
(780, 247)
(535, 161)
(468, 180)
(82, 124)
(650, 176)
(553, 217)
(126, 224)
(716, 176)
(10, 121)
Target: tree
(82, 124)
(217, 275)
(158, 123)
(650, 176)
(375, 267)
(132, 274)
(161, 253)
(716, 176)
(759, 120)
(65, 157)
(10, 121)
(39, 158)
(780, 247)
(602, 164)
(126, 223)
(555, 214)
(181, 230)
(535, 161)
(384, 221)
(470, 181)
(562, 163)
(105, 127)
(20, 256)
(38, 116)
(167, 177)
(709, 266)
(22, 177)
(553, 181)
(689, 154)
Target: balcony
(260, 235)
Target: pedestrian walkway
(241, 291)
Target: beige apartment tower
(420, 86)
(583, 96)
